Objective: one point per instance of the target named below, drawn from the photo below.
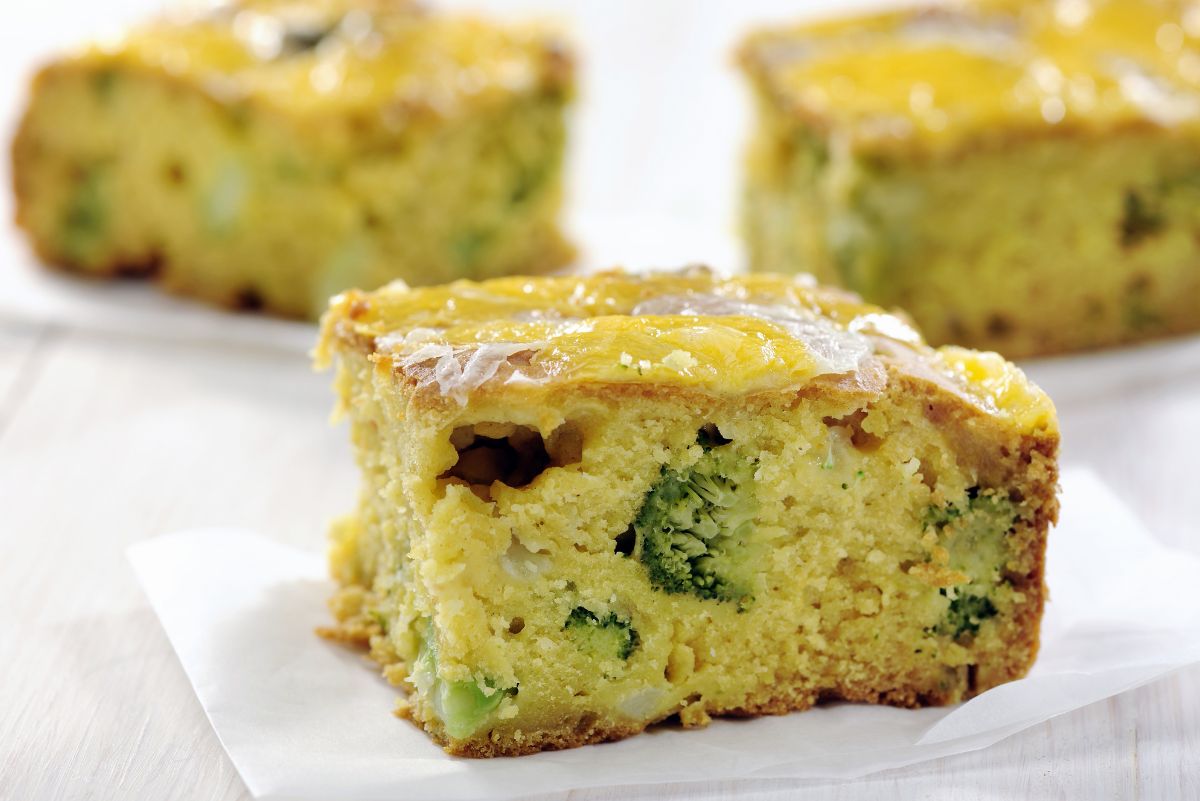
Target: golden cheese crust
(690, 329)
(941, 79)
(370, 66)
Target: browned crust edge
(587, 731)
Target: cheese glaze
(689, 329)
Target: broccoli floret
(965, 614)
(609, 637)
(465, 705)
(530, 179)
(976, 535)
(870, 233)
(695, 526)
(462, 706)
(104, 83)
(85, 217)
(1143, 218)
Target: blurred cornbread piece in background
(590, 504)
(1021, 176)
(270, 154)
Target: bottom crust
(590, 728)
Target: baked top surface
(322, 56)
(689, 329)
(941, 76)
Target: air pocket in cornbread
(590, 504)
(271, 153)
(1021, 176)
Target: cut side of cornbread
(1018, 176)
(590, 504)
(268, 154)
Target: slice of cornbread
(270, 153)
(1021, 175)
(593, 503)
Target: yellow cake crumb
(562, 549)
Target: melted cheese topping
(685, 329)
(341, 56)
(932, 79)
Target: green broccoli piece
(610, 637)
(462, 706)
(871, 232)
(530, 179)
(695, 526)
(965, 614)
(84, 220)
(1143, 218)
(104, 84)
(976, 535)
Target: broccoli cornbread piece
(1018, 176)
(590, 504)
(271, 153)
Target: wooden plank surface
(115, 439)
(18, 345)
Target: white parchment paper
(302, 718)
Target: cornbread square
(271, 153)
(1018, 175)
(590, 504)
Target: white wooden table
(109, 438)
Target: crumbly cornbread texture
(1020, 176)
(271, 153)
(590, 504)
